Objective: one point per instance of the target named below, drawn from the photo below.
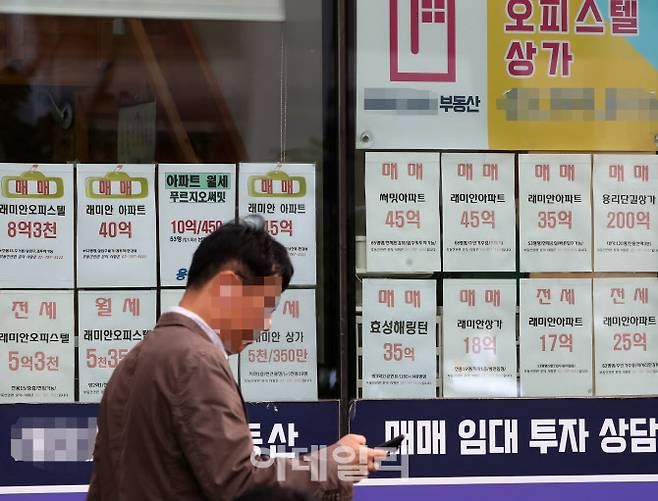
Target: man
(172, 423)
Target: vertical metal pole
(344, 198)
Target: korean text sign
(402, 212)
(625, 212)
(282, 364)
(626, 336)
(284, 195)
(555, 222)
(36, 335)
(399, 338)
(110, 324)
(572, 74)
(194, 201)
(52, 444)
(479, 338)
(556, 337)
(421, 74)
(478, 212)
(512, 437)
(116, 225)
(507, 74)
(36, 223)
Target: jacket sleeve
(93, 494)
(215, 438)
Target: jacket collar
(173, 319)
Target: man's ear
(220, 285)
(226, 277)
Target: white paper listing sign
(194, 201)
(116, 226)
(626, 336)
(284, 195)
(399, 338)
(479, 218)
(402, 212)
(479, 338)
(110, 324)
(556, 338)
(36, 222)
(555, 215)
(421, 74)
(625, 213)
(282, 365)
(37, 346)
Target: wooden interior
(99, 65)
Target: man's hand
(357, 458)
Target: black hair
(245, 244)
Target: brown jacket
(172, 425)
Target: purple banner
(562, 491)
(515, 437)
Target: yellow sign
(116, 184)
(276, 184)
(32, 184)
(573, 75)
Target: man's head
(234, 282)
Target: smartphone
(392, 445)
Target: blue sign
(52, 444)
(293, 425)
(49, 444)
(455, 438)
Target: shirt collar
(209, 331)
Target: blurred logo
(53, 439)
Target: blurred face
(242, 307)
